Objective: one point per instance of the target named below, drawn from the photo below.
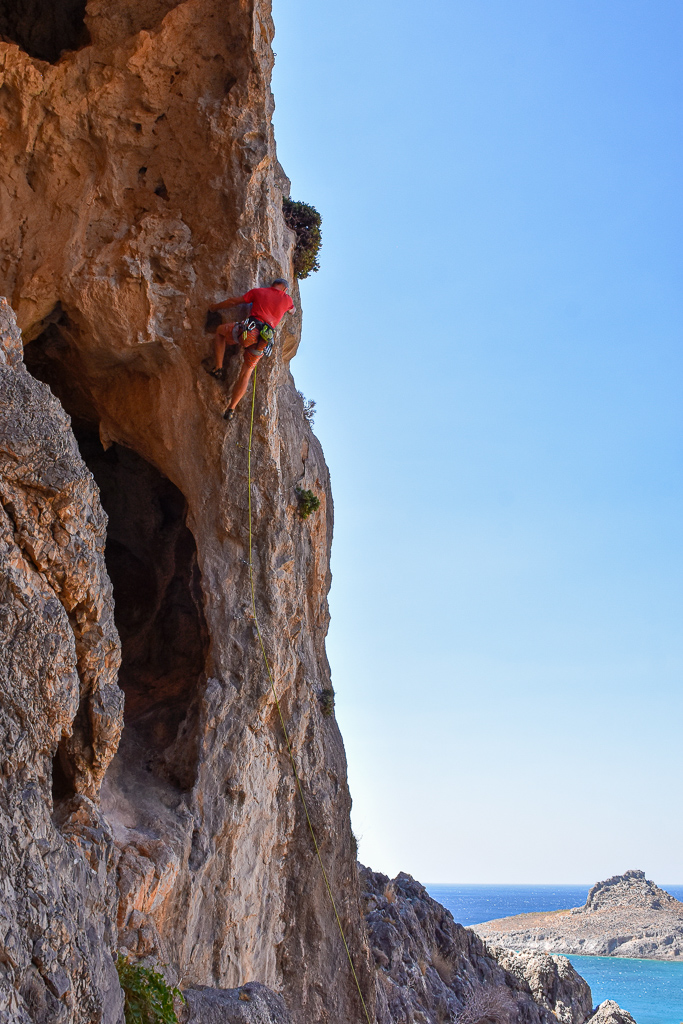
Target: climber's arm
(226, 303)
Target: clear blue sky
(494, 344)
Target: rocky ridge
(432, 969)
(60, 712)
(626, 915)
(632, 889)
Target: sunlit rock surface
(553, 982)
(610, 1012)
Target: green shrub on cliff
(305, 221)
(148, 999)
(309, 407)
(327, 702)
(308, 503)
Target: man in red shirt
(268, 306)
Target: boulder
(610, 1012)
(250, 1004)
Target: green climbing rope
(281, 716)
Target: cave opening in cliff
(44, 28)
(151, 559)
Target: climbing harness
(290, 751)
(265, 333)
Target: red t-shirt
(268, 304)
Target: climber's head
(280, 284)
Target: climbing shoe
(229, 414)
(218, 373)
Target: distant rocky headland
(626, 915)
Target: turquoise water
(651, 990)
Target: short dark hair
(280, 280)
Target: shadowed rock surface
(250, 1004)
(626, 915)
(60, 714)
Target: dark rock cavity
(44, 28)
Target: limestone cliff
(139, 184)
(626, 915)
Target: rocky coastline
(626, 915)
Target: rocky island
(626, 915)
(149, 816)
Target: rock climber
(255, 334)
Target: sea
(651, 990)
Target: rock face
(61, 718)
(431, 969)
(552, 981)
(250, 1004)
(626, 915)
(610, 1012)
(139, 184)
(60, 713)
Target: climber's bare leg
(242, 381)
(224, 336)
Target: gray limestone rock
(431, 970)
(60, 715)
(610, 1012)
(251, 1004)
(552, 980)
(632, 889)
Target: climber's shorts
(252, 355)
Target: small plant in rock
(305, 221)
(309, 407)
(327, 702)
(148, 999)
(308, 502)
(487, 1006)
